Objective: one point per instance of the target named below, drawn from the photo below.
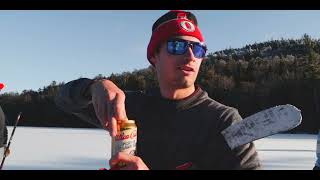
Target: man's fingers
(119, 107)
(122, 157)
(109, 104)
(116, 113)
(109, 115)
(106, 114)
(130, 162)
(100, 100)
(100, 109)
(114, 126)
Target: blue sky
(38, 47)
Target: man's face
(177, 71)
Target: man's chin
(185, 83)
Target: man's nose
(189, 56)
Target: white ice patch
(1, 153)
(34, 148)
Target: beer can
(126, 138)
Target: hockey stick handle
(11, 136)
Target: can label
(125, 140)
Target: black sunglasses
(180, 46)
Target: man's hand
(6, 151)
(109, 104)
(131, 162)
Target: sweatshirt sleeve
(2, 128)
(244, 157)
(216, 154)
(5, 135)
(75, 98)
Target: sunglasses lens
(177, 47)
(198, 51)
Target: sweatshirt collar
(197, 97)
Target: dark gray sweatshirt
(171, 133)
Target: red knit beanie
(173, 23)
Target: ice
(35, 148)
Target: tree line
(251, 79)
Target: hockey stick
(262, 124)
(7, 148)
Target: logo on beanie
(187, 26)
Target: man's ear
(154, 60)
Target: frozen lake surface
(38, 148)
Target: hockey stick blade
(262, 124)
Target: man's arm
(5, 135)
(2, 128)
(99, 102)
(218, 155)
(245, 156)
(75, 98)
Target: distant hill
(267, 50)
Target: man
(178, 124)
(3, 132)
